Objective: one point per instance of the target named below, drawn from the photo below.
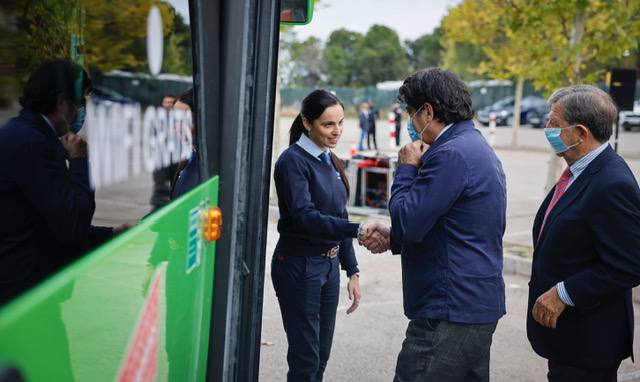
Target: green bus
(178, 296)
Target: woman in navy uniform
(316, 236)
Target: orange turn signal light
(212, 224)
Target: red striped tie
(561, 187)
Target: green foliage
(340, 56)
(34, 30)
(552, 42)
(380, 57)
(115, 33)
(463, 58)
(102, 35)
(177, 51)
(309, 66)
(426, 51)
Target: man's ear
(585, 133)
(429, 110)
(60, 102)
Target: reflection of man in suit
(162, 176)
(586, 245)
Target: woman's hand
(353, 287)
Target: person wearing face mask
(448, 213)
(46, 205)
(586, 238)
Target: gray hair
(589, 106)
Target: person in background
(316, 236)
(448, 215)
(187, 174)
(168, 100)
(371, 134)
(586, 238)
(364, 123)
(162, 177)
(397, 110)
(46, 205)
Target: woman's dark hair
(186, 97)
(313, 106)
(54, 77)
(443, 89)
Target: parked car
(504, 109)
(539, 116)
(630, 119)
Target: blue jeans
(363, 136)
(308, 289)
(439, 350)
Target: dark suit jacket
(46, 207)
(364, 122)
(591, 240)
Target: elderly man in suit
(586, 238)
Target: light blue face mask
(553, 136)
(413, 134)
(78, 122)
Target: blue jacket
(591, 241)
(449, 217)
(313, 213)
(46, 207)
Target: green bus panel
(137, 308)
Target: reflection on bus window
(135, 143)
(294, 12)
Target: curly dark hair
(54, 77)
(443, 89)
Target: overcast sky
(409, 18)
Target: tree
(116, 31)
(463, 58)
(426, 51)
(380, 57)
(34, 30)
(309, 66)
(177, 51)
(340, 57)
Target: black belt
(333, 252)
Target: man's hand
(121, 228)
(75, 145)
(376, 237)
(548, 308)
(412, 153)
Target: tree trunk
(517, 107)
(577, 34)
(556, 164)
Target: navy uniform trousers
(308, 290)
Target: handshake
(376, 237)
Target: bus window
(296, 12)
(137, 56)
